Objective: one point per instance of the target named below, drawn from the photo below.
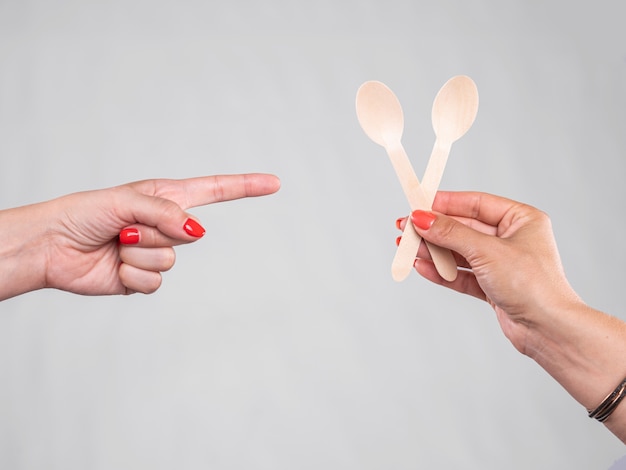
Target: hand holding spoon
(380, 115)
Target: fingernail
(399, 223)
(398, 240)
(193, 228)
(423, 219)
(129, 236)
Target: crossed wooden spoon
(453, 113)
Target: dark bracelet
(608, 405)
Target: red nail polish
(398, 240)
(399, 223)
(193, 228)
(129, 236)
(423, 219)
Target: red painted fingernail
(193, 228)
(398, 240)
(129, 236)
(423, 219)
(399, 222)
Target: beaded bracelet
(608, 405)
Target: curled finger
(139, 280)
(151, 259)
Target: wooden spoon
(453, 113)
(380, 115)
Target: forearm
(22, 250)
(585, 351)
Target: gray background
(280, 341)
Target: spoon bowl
(455, 108)
(379, 113)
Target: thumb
(449, 233)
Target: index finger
(199, 191)
(486, 208)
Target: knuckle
(543, 218)
(150, 284)
(138, 280)
(168, 209)
(169, 259)
(153, 287)
(218, 188)
(444, 229)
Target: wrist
(23, 248)
(582, 348)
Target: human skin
(111, 241)
(510, 259)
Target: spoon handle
(435, 168)
(407, 250)
(443, 258)
(408, 179)
(404, 259)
